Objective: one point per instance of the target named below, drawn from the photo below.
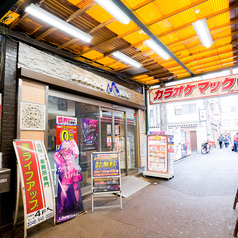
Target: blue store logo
(113, 88)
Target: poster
(109, 129)
(109, 141)
(117, 129)
(66, 129)
(36, 184)
(69, 199)
(171, 143)
(157, 154)
(105, 172)
(90, 134)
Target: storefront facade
(56, 100)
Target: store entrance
(118, 134)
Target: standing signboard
(106, 176)
(36, 182)
(159, 163)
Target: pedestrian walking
(235, 139)
(226, 141)
(220, 140)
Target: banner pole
(51, 179)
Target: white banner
(195, 90)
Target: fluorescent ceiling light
(114, 10)
(126, 59)
(203, 32)
(158, 50)
(58, 23)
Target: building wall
(34, 59)
(8, 125)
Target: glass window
(85, 133)
(178, 111)
(189, 108)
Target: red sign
(66, 129)
(192, 90)
(30, 167)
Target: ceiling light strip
(58, 23)
(126, 59)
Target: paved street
(197, 202)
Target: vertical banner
(36, 183)
(69, 200)
(90, 134)
(105, 172)
(66, 129)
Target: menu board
(157, 154)
(106, 172)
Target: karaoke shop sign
(192, 90)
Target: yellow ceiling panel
(93, 54)
(136, 37)
(226, 55)
(218, 20)
(118, 65)
(183, 54)
(120, 28)
(176, 68)
(182, 18)
(224, 49)
(98, 13)
(177, 47)
(170, 64)
(106, 60)
(197, 48)
(149, 13)
(167, 39)
(221, 34)
(211, 6)
(79, 3)
(183, 75)
(206, 60)
(223, 61)
(182, 71)
(133, 3)
(168, 6)
(223, 41)
(9, 17)
(160, 27)
(147, 79)
(141, 77)
(185, 32)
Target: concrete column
(163, 117)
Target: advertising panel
(90, 134)
(36, 182)
(105, 172)
(66, 129)
(69, 199)
(192, 90)
(157, 154)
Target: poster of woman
(69, 200)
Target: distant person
(220, 140)
(235, 138)
(226, 141)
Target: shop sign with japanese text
(192, 90)
(35, 181)
(105, 171)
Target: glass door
(113, 134)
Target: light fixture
(114, 10)
(126, 59)
(58, 23)
(203, 32)
(155, 47)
